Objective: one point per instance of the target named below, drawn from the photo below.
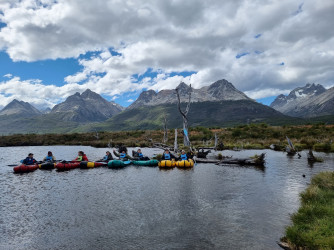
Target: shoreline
(254, 136)
(312, 225)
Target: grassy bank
(313, 224)
(254, 136)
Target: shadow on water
(185, 169)
(258, 168)
(166, 169)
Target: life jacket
(140, 155)
(49, 158)
(122, 155)
(84, 157)
(167, 156)
(184, 157)
(105, 158)
(29, 161)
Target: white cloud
(260, 93)
(175, 36)
(8, 76)
(35, 92)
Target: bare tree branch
(184, 114)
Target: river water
(207, 207)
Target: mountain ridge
(309, 101)
(20, 108)
(86, 107)
(221, 90)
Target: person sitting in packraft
(49, 157)
(123, 155)
(29, 160)
(107, 157)
(139, 155)
(183, 156)
(81, 156)
(167, 155)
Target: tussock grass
(313, 224)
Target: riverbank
(313, 224)
(253, 136)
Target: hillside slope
(223, 113)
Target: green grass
(313, 224)
(252, 136)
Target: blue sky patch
(114, 53)
(267, 100)
(2, 25)
(241, 55)
(148, 73)
(49, 71)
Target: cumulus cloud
(242, 41)
(35, 92)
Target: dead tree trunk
(165, 139)
(216, 141)
(175, 141)
(186, 141)
(96, 134)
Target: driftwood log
(202, 154)
(257, 160)
(203, 160)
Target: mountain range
(221, 90)
(219, 104)
(307, 102)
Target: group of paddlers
(136, 155)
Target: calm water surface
(207, 207)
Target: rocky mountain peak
(300, 100)
(307, 91)
(87, 107)
(90, 94)
(19, 108)
(183, 87)
(298, 94)
(218, 91)
(224, 90)
(220, 83)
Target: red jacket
(84, 158)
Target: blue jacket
(167, 156)
(29, 161)
(183, 157)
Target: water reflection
(208, 206)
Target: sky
(50, 49)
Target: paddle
(14, 165)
